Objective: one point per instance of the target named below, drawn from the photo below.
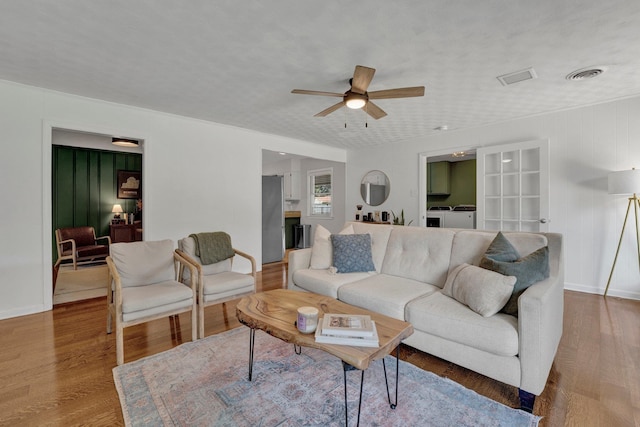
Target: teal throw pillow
(501, 249)
(352, 253)
(528, 270)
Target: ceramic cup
(307, 319)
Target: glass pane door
(513, 187)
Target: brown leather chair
(80, 244)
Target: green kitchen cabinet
(438, 178)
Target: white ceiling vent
(518, 76)
(586, 73)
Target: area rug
(88, 281)
(205, 383)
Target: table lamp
(117, 210)
(625, 182)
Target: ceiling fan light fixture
(355, 100)
(124, 142)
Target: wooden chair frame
(114, 305)
(200, 283)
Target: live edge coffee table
(275, 312)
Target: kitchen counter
(292, 214)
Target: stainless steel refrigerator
(272, 219)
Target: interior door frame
(422, 176)
(48, 126)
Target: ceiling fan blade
(374, 111)
(403, 92)
(316, 92)
(330, 110)
(362, 76)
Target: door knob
(544, 220)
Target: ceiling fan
(358, 97)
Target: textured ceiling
(236, 62)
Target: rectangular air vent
(518, 76)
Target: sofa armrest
(298, 260)
(540, 323)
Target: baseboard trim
(600, 291)
(22, 311)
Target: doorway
(448, 188)
(84, 170)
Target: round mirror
(375, 188)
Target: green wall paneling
(84, 189)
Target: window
(320, 192)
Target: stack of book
(347, 329)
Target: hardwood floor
(55, 367)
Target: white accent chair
(217, 283)
(144, 286)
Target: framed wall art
(129, 184)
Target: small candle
(307, 319)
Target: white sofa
(412, 265)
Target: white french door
(513, 187)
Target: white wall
(198, 176)
(585, 145)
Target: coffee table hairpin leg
(384, 366)
(252, 340)
(347, 367)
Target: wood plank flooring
(55, 367)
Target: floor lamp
(625, 182)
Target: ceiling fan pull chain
(366, 115)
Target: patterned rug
(205, 383)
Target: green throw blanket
(213, 247)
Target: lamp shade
(624, 182)
(355, 100)
(117, 209)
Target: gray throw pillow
(528, 270)
(483, 291)
(352, 253)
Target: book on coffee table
(351, 325)
(328, 338)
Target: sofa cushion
(321, 250)
(528, 270)
(420, 254)
(352, 253)
(323, 282)
(384, 294)
(379, 239)
(483, 291)
(439, 315)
